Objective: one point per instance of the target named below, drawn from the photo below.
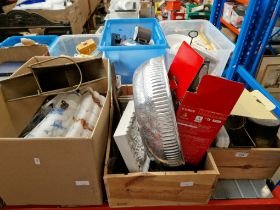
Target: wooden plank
(156, 190)
(258, 163)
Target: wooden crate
(159, 188)
(249, 163)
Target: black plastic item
(116, 39)
(263, 132)
(237, 132)
(2, 203)
(192, 35)
(142, 35)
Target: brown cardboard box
(93, 4)
(12, 58)
(77, 15)
(8, 8)
(52, 171)
(22, 53)
(147, 10)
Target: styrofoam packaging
(222, 139)
(66, 44)
(223, 46)
(122, 4)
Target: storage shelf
(229, 26)
(245, 2)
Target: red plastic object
(177, 15)
(238, 204)
(200, 115)
(173, 5)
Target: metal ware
(241, 189)
(155, 112)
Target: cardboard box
(8, 8)
(76, 15)
(54, 171)
(22, 53)
(158, 188)
(93, 5)
(12, 58)
(147, 9)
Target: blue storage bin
(128, 58)
(44, 39)
(66, 44)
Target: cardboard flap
(22, 53)
(215, 94)
(249, 105)
(183, 69)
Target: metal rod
(241, 39)
(269, 30)
(257, 36)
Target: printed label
(37, 161)
(186, 184)
(241, 154)
(198, 119)
(118, 81)
(82, 183)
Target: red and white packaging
(201, 114)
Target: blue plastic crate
(128, 58)
(66, 44)
(44, 39)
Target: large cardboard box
(22, 53)
(76, 15)
(93, 4)
(53, 171)
(11, 58)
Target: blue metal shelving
(259, 21)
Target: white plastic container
(66, 44)
(224, 47)
(100, 30)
